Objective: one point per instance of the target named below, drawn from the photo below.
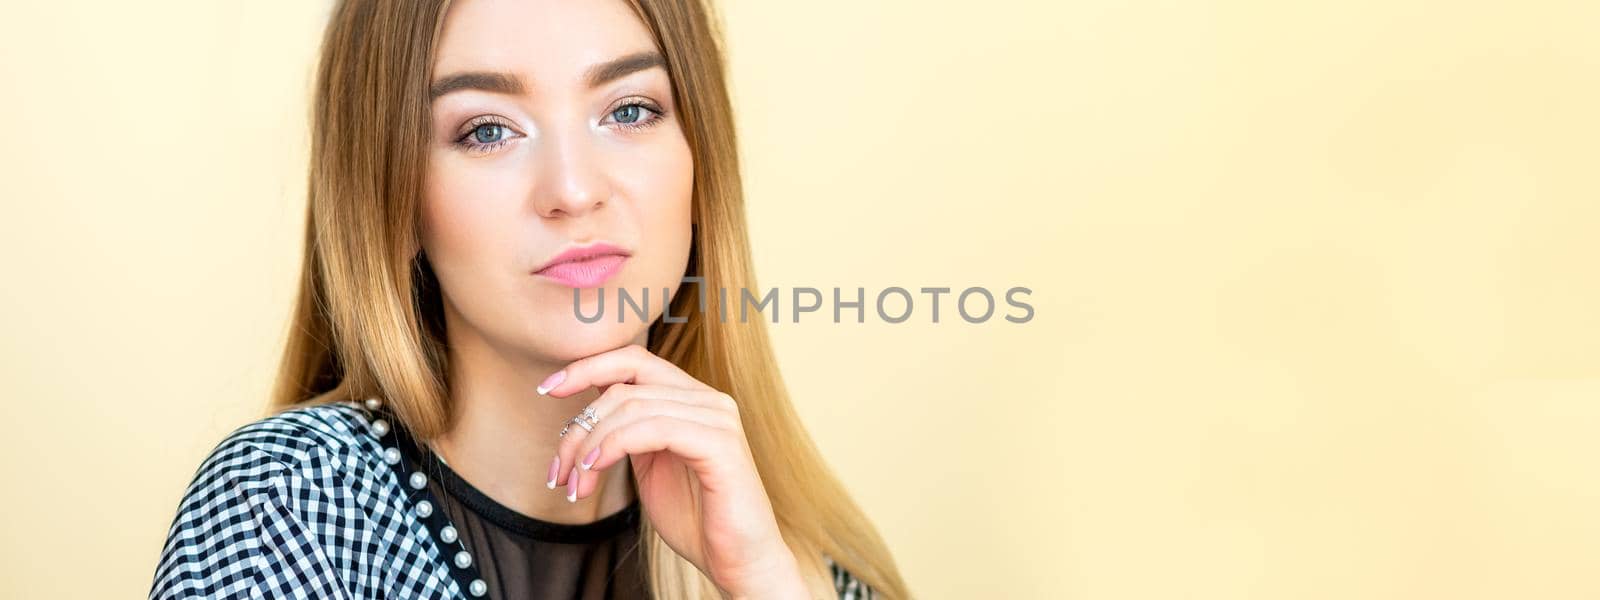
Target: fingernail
(555, 469)
(588, 461)
(552, 381)
(572, 486)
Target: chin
(561, 333)
(565, 338)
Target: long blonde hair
(367, 320)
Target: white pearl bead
(391, 455)
(424, 508)
(463, 559)
(418, 480)
(448, 534)
(380, 427)
(478, 587)
(373, 403)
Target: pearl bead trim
(465, 575)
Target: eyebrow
(508, 83)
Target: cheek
(664, 189)
(462, 217)
(654, 182)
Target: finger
(618, 394)
(622, 402)
(566, 457)
(628, 364)
(640, 409)
(574, 431)
(697, 444)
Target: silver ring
(586, 419)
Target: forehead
(549, 41)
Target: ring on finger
(587, 420)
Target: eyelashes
(496, 129)
(487, 133)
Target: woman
(483, 173)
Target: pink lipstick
(586, 266)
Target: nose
(570, 179)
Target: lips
(586, 266)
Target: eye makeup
(486, 133)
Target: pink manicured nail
(594, 455)
(572, 486)
(552, 381)
(555, 469)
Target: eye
(638, 113)
(486, 134)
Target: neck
(504, 434)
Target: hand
(685, 439)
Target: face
(553, 128)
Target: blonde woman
(447, 423)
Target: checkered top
(302, 504)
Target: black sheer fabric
(521, 557)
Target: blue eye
(627, 114)
(637, 114)
(488, 133)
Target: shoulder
(846, 584)
(306, 445)
(295, 439)
(270, 493)
(301, 450)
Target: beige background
(1316, 305)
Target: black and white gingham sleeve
(242, 529)
(846, 584)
